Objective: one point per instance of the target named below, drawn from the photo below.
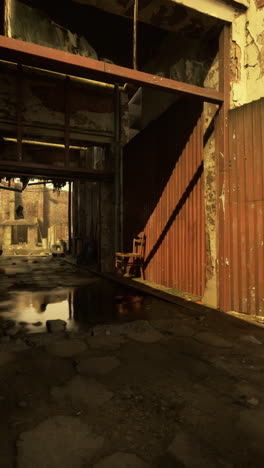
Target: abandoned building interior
(34, 217)
(131, 225)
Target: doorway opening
(34, 216)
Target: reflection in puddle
(80, 307)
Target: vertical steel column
(67, 121)
(222, 143)
(121, 201)
(99, 224)
(19, 101)
(70, 217)
(135, 24)
(117, 168)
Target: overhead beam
(31, 130)
(23, 168)
(221, 9)
(34, 55)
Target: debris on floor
(159, 389)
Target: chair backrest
(139, 244)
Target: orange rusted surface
(164, 197)
(241, 234)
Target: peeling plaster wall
(185, 57)
(247, 61)
(43, 97)
(247, 85)
(30, 24)
(210, 191)
(171, 15)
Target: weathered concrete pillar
(210, 193)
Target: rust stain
(164, 196)
(243, 235)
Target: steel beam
(54, 131)
(34, 55)
(67, 122)
(19, 104)
(28, 169)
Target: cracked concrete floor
(184, 391)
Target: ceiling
(164, 14)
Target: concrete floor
(173, 388)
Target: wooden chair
(134, 260)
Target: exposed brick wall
(50, 208)
(4, 205)
(58, 207)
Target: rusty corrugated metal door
(241, 234)
(164, 196)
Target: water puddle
(80, 307)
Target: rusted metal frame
(64, 62)
(121, 200)
(24, 168)
(55, 131)
(70, 216)
(99, 225)
(135, 27)
(259, 136)
(117, 168)
(256, 142)
(122, 75)
(19, 104)
(224, 270)
(67, 121)
(250, 208)
(241, 142)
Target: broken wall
(185, 56)
(43, 96)
(48, 207)
(32, 25)
(247, 55)
(210, 297)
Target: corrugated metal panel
(241, 245)
(164, 196)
